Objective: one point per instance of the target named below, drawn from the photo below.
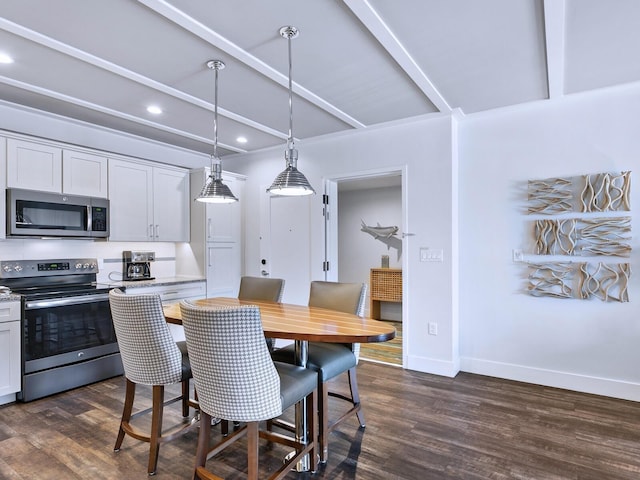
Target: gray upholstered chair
(332, 359)
(237, 380)
(262, 288)
(150, 356)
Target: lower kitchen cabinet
(9, 350)
(172, 292)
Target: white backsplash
(108, 254)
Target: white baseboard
(4, 399)
(432, 365)
(551, 378)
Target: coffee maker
(137, 265)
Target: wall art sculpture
(608, 234)
(605, 281)
(549, 196)
(606, 192)
(598, 236)
(608, 282)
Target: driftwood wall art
(583, 235)
(606, 281)
(598, 236)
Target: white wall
(423, 148)
(358, 251)
(586, 345)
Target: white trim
(553, 378)
(432, 365)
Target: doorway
(364, 231)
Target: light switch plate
(431, 254)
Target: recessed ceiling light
(4, 58)
(155, 110)
(241, 139)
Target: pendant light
(214, 191)
(291, 181)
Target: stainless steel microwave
(42, 214)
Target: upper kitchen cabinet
(34, 166)
(84, 174)
(52, 168)
(148, 203)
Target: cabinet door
(84, 174)
(34, 166)
(170, 205)
(131, 201)
(9, 348)
(223, 269)
(223, 219)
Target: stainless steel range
(67, 332)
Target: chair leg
(312, 422)
(323, 420)
(355, 395)
(126, 412)
(203, 443)
(156, 427)
(185, 398)
(252, 450)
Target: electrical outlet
(433, 328)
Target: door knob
(265, 273)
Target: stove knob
(93, 266)
(7, 268)
(17, 268)
(78, 266)
(86, 265)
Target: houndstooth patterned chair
(237, 380)
(262, 288)
(150, 356)
(332, 359)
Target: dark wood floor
(419, 426)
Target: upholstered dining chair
(332, 359)
(150, 356)
(262, 288)
(237, 380)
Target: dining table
(302, 324)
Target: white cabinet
(9, 350)
(52, 168)
(34, 166)
(148, 203)
(3, 186)
(216, 237)
(84, 174)
(173, 293)
(170, 205)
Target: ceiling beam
(195, 27)
(554, 30)
(374, 23)
(88, 58)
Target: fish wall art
(386, 235)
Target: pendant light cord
(215, 116)
(291, 143)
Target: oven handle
(61, 302)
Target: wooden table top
(299, 322)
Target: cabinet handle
(151, 230)
(209, 228)
(157, 231)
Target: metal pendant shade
(290, 181)
(214, 190)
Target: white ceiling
(356, 63)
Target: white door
(285, 245)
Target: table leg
(301, 354)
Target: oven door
(66, 330)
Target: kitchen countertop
(158, 282)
